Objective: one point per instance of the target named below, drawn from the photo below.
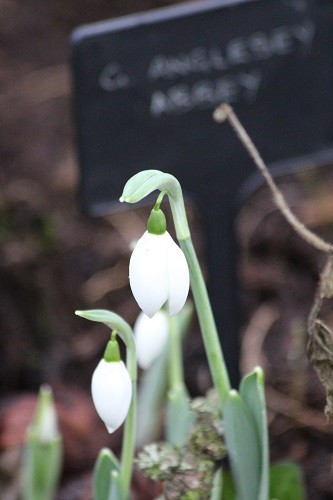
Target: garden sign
(146, 85)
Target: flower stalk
(115, 322)
(139, 186)
(207, 323)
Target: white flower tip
(121, 199)
(110, 429)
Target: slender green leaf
(252, 391)
(42, 456)
(243, 446)
(152, 391)
(179, 416)
(41, 468)
(286, 482)
(217, 488)
(153, 388)
(106, 464)
(116, 490)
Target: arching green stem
(124, 331)
(139, 186)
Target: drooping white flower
(151, 337)
(111, 389)
(159, 274)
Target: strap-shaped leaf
(152, 390)
(179, 416)
(106, 464)
(116, 490)
(252, 391)
(217, 487)
(243, 446)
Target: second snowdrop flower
(158, 270)
(151, 337)
(111, 388)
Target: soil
(54, 259)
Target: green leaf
(42, 456)
(286, 482)
(153, 387)
(106, 465)
(228, 492)
(217, 487)
(152, 391)
(252, 391)
(41, 469)
(243, 446)
(179, 416)
(116, 487)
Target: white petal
(179, 278)
(111, 389)
(148, 273)
(151, 336)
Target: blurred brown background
(54, 259)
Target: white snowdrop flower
(158, 270)
(151, 337)
(111, 389)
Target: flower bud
(111, 389)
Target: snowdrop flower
(151, 336)
(158, 269)
(111, 389)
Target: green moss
(187, 472)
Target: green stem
(207, 322)
(136, 188)
(128, 444)
(176, 371)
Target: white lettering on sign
(112, 78)
(183, 97)
(235, 84)
(279, 41)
